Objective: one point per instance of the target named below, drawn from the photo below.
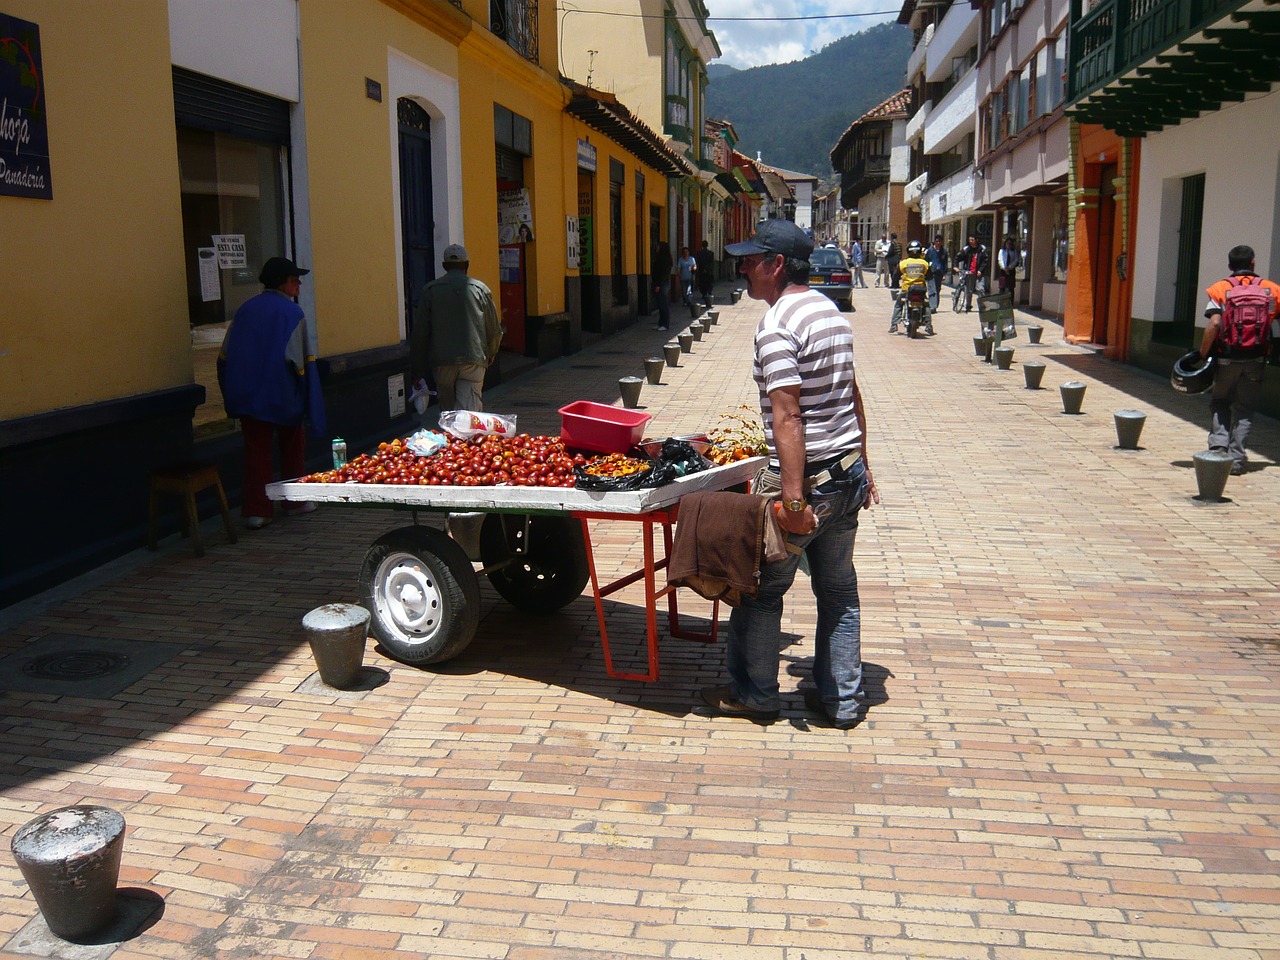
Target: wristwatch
(795, 506)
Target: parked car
(829, 273)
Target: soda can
(339, 452)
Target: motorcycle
(915, 308)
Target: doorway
(417, 216)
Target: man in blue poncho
(263, 370)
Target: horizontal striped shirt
(803, 340)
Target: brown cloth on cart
(722, 540)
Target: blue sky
(752, 43)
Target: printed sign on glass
(24, 119)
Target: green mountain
(793, 113)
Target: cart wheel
(422, 593)
(544, 574)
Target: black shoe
(815, 705)
(720, 700)
(1237, 468)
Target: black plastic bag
(632, 481)
(677, 459)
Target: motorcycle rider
(914, 271)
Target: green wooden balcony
(1139, 65)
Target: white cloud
(751, 43)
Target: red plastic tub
(587, 425)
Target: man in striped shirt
(815, 426)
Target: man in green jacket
(456, 332)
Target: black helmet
(914, 248)
(1192, 374)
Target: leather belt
(832, 470)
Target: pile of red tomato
(520, 461)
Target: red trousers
(257, 461)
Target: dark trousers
(258, 435)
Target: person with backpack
(1243, 315)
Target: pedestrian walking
(1007, 260)
(661, 280)
(270, 384)
(882, 264)
(687, 267)
(938, 264)
(816, 429)
(972, 261)
(856, 255)
(705, 262)
(456, 333)
(894, 256)
(1242, 314)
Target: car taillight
(841, 277)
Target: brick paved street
(1072, 754)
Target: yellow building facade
(359, 138)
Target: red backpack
(1246, 317)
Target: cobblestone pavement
(1072, 753)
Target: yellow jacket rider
(915, 273)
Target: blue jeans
(1237, 388)
(755, 626)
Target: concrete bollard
(1033, 333)
(1129, 428)
(1033, 371)
(672, 352)
(337, 633)
(1212, 470)
(1004, 357)
(70, 859)
(980, 346)
(696, 329)
(629, 387)
(653, 369)
(686, 342)
(713, 317)
(1072, 396)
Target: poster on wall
(24, 121)
(515, 216)
(573, 254)
(210, 281)
(231, 253)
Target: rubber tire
(554, 569)
(448, 585)
(913, 324)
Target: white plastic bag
(470, 423)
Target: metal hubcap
(408, 598)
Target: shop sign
(24, 120)
(586, 156)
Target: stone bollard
(686, 342)
(1033, 333)
(988, 350)
(1072, 396)
(980, 346)
(629, 387)
(696, 329)
(737, 295)
(1129, 428)
(1004, 357)
(337, 633)
(70, 859)
(1212, 470)
(713, 317)
(1033, 371)
(653, 369)
(672, 352)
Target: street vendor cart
(422, 590)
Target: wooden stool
(187, 478)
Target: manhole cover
(76, 665)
